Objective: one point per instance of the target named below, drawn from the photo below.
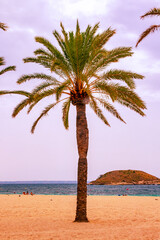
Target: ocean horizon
(70, 188)
(39, 182)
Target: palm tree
(4, 27)
(79, 64)
(152, 28)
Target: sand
(41, 217)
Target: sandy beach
(44, 217)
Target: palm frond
(43, 86)
(76, 47)
(77, 28)
(66, 45)
(96, 45)
(20, 106)
(24, 93)
(108, 89)
(87, 45)
(116, 91)
(125, 76)
(110, 108)
(38, 96)
(98, 111)
(2, 62)
(72, 49)
(46, 43)
(60, 60)
(44, 113)
(60, 88)
(42, 76)
(105, 58)
(152, 12)
(7, 69)
(132, 106)
(60, 42)
(42, 52)
(92, 30)
(46, 64)
(65, 113)
(3, 26)
(118, 53)
(149, 30)
(101, 39)
(126, 94)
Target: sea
(70, 188)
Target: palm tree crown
(79, 66)
(152, 28)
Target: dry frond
(149, 30)
(3, 26)
(152, 12)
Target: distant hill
(126, 177)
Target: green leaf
(24, 93)
(126, 94)
(110, 108)
(101, 39)
(37, 97)
(132, 106)
(98, 111)
(65, 112)
(60, 89)
(20, 106)
(40, 88)
(60, 60)
(126, 76)
(43, 52)
(7, 69)
(42, 76)
(46, 64)
(108, 89)
(44, 113)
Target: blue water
(63, 188)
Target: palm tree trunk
(82, 142)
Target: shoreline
(39, 194)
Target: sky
(51, 152)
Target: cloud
(151, 96)
(87, 8)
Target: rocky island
(126, 177)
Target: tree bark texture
(82, 143)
